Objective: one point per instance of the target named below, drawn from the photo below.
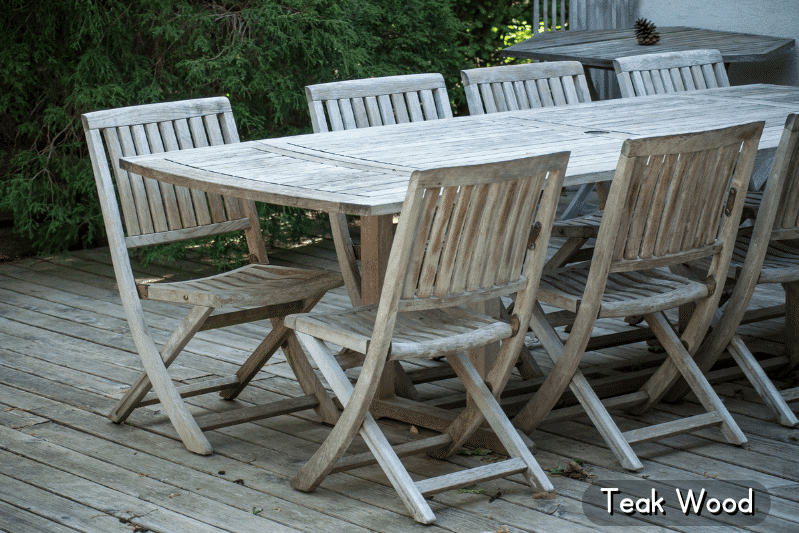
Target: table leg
(376, 239)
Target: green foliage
(62, 58)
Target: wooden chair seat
(417, 334)
(248, 286)
(626, 293)
(463, 236)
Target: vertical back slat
(520, 92)
(386, 110)
(657, 206)
(703, 197)
(557, 91)
(544, 93)
(453, 243)
(334, 115)
(630, 217)
(124, 185)
(495, 237)
(373, 111)
(642, 210)
(184, 195)
(531, 88)
(168, 194)
(400, 108)
(509, 95)
(200, 137)
(141, 203)
(688, 78)
(435, 242)
(154, 200)
(683, 206)
(479, 253)
(469, 238)
(428, 104)
(417, 251)
(359, 110)
(443, 106)
(347, 115)
(414, 108)
(671, 205)
(569, 90)
(718, 185)
(488, 98)
(213, 130)
(499, 97)
(676, 78)
(199, 200)
(698, 77)
(709, 75)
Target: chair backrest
(777, 219)
(677, 198)
(531, 85)
(786, 168)
(377, 102)
(156, 212)
(670, 72)
(463, 232)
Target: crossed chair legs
(171, 397)
(566, 373)
(356, 420)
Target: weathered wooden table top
(366, 171)
(598, 48)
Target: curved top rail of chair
(150, 113)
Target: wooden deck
(65, 354)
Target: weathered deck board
(65, 354)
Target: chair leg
(564, 254)
(604, 423)
(261, 355)
(760, 381)
(181, 336)
(325, 458)
(307, 379)
(577, 203)
(183, 422)
(686, 366)
(491, 410)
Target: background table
(598, 48)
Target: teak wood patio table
(598, 48)
(365, 172)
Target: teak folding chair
(463, 236)
(530, 86)
(345, 105)
(764, 254)
(670, 72)
(673, 199)
(154, 213)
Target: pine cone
(645, 32)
